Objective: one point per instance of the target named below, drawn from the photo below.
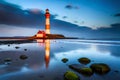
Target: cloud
(115, 24)
(117, 15)
(12, 14)
(69, 6)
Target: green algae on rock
(81, 69)
(69, 75)
(84, 60)
(100, 68)
(86, 71)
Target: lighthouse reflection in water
(45, 43)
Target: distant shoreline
(28, 38)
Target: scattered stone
(69, 75)
(17, 47)
(81, 69)
(100, 68)
(23, 57)
(76, 66)
(7, 59)
(84, 60)
(64, 60)
(86, 71)
(25, 49)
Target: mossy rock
(7, 59)
(23, 57)
(100, 68)
(69, 75)
(81, 69)
(64, 60)
(86, 71)
(76, 67)
(84, 60)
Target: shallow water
(44, 59)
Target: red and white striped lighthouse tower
(47, 22)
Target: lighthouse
(47, 22)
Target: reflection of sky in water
(34, 67)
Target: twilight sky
(28, 15)
(92, 13)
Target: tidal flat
(43, 59)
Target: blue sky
(91, 13)
(76, 16)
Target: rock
(7, 59)
(64, 60)
(100, 68)
(25, 49)
(23, 57)
(86, 71)
(17, 47)
(81, 69)
(8, 45)
(69, 75)
(84, 60)
(76, 66)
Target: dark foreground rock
(69, 75)
(81, 69)
(23, 57)
(86, 71)
(17, 47)
(64, 60)
(7, 59)
(100, 68)
(25, 49)
(84, 60)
